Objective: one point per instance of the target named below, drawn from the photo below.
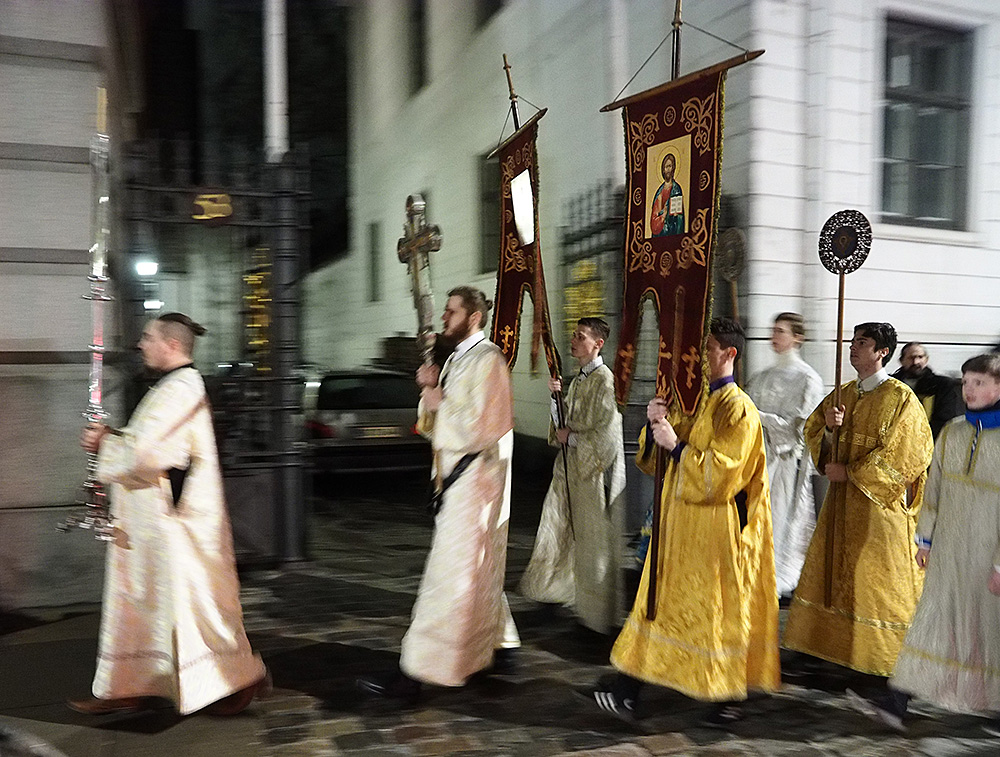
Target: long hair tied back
(196, 328)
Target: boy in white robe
(461, 622)
(171, 622)
(951, 653)
(575, 560)
(786, 394)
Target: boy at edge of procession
(171, 623)
(575, 560)
(860, 585)
(951, 654)
(461, 623)
(715, 635)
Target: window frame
(915, 97)
(488, 172)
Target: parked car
(365, 420)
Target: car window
(367, 392)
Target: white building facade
(890, 107)
(51, 67)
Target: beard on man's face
(914, 371)
(458, 330)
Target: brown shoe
(95, 706)
(235, 703)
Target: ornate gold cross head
(418, 238)
(414, 248)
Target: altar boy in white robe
(461, 623)
(786, 394)
(576, 558)
(171, 622)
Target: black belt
(437, 498)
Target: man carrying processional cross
(461, 623)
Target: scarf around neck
(986, 418)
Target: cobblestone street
(321, 624)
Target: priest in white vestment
(786, 394)
(461, 623)
(171, 622)
(576, 558)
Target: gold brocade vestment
(716, 629)
(875, 582)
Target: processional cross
(414, 248)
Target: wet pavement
(321, 624)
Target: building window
(489, 214)
(926, 125)
(374, 262)
(418, 45)
(485, 9)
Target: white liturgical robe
(461, 615)
(171, 623)
(576, 558)
(786, 394)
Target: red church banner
(673, 141)
(519, 271)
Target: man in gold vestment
(860, 582)
(715, 634)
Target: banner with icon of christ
(673, 141)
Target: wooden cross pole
(513, 97)
(660, 470)
(413, 249)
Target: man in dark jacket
(941, 396)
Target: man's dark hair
(902, 352)
(883, 334)
(182, 328)
(598, 327)
(728, 333)
(988, 363)
(474, 301)
(795, 322)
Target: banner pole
(660, 471)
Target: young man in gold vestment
(715, 634)
(860, 582)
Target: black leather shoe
(504, 661)
(395, 686)
(723, 716)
